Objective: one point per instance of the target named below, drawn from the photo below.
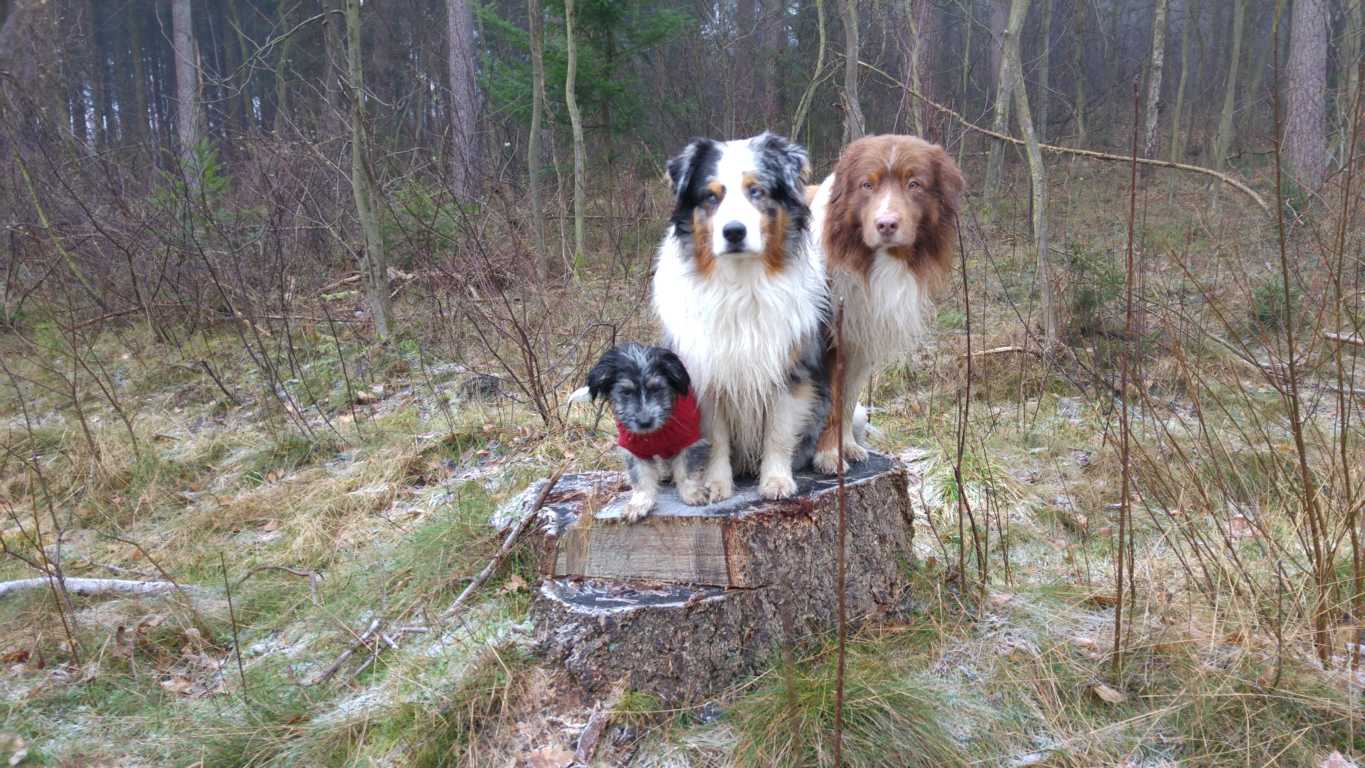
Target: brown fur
(701, 242)
(775, 241)
(890, 163)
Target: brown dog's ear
(948, 180)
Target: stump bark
(691, 600)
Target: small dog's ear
(793, 164)
(675, 373)
(681, 168)
(602, 376)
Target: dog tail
(862, 428)
(580, 395)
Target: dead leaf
(1107, 695)
(1336, 760)
(999, 599)
(1102, 600)
(271, 525)
(177, 684)
(550, 757)
(514, 583)
(1240, 528)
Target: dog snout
(887, 225)
(734, 232)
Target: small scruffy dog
(658, 426)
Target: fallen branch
(96, 587)
(363, 641)
(1223, 177)
(1344, 338)
(1002, 351)
(517, 532)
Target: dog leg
(719, 479)
(827, 448)
(687, 467)
(644, 481)
(786, 420)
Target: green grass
(892, 717)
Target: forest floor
(289, 543)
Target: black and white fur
(641, 384)
(739, 289)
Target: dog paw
(692, 494)
(827, 462)
(854, 452)
(718, 489)
(780, 486)
(637, 507)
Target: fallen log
(96, 587)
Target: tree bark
(332, 67)
(772, 43)
(1305, 129)
(1002, 11)
(374, 265)
(803, 107)
(1223, 140)
(188, 121)
(1044, 65)
(281, 71)
(1037, 172)
(919, 21)
(465, 155)
(1078, 66)
(1186, 34)
(1348, 80)
(535, 21)
(1157, 64)
(854, 124)
(580, 152)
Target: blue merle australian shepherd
(740, 291)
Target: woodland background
(294, 292)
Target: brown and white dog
(886, 220)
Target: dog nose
(887, 225)
(734, 232)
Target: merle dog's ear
(675, 372)
(793, 163)
(681, 168)
(603, 375)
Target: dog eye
(867, 184)
(712, 198)
(914, 184)
(757, 193)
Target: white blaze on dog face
(738, 217)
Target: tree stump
(692, 599)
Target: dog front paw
(719, 487)
(637, 507)
(853, 451)
(777, 486)
(692, 493)
(827, 462)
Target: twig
(840, 572)
(232, 615)
(507, 544)
(1125, 510)
(363, 641)
(1223, 177)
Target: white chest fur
(739, 330)
(886, 313)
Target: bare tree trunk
(331, 86)
(854, 124)
(465, 154)
(1001, 11)
(1186, 33)
(281, 72)
(745, 53)
(1157, 62)
(1044, 64)
(803, 107)
(968, 23)
(1078, 65)
(1225, 125)
(374, 265)
(1305, 131)
(772, 42)
(1037, 173)
(1349, 79)
(535, 20)
(919, 20)
(188, 123)
(580, 152)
